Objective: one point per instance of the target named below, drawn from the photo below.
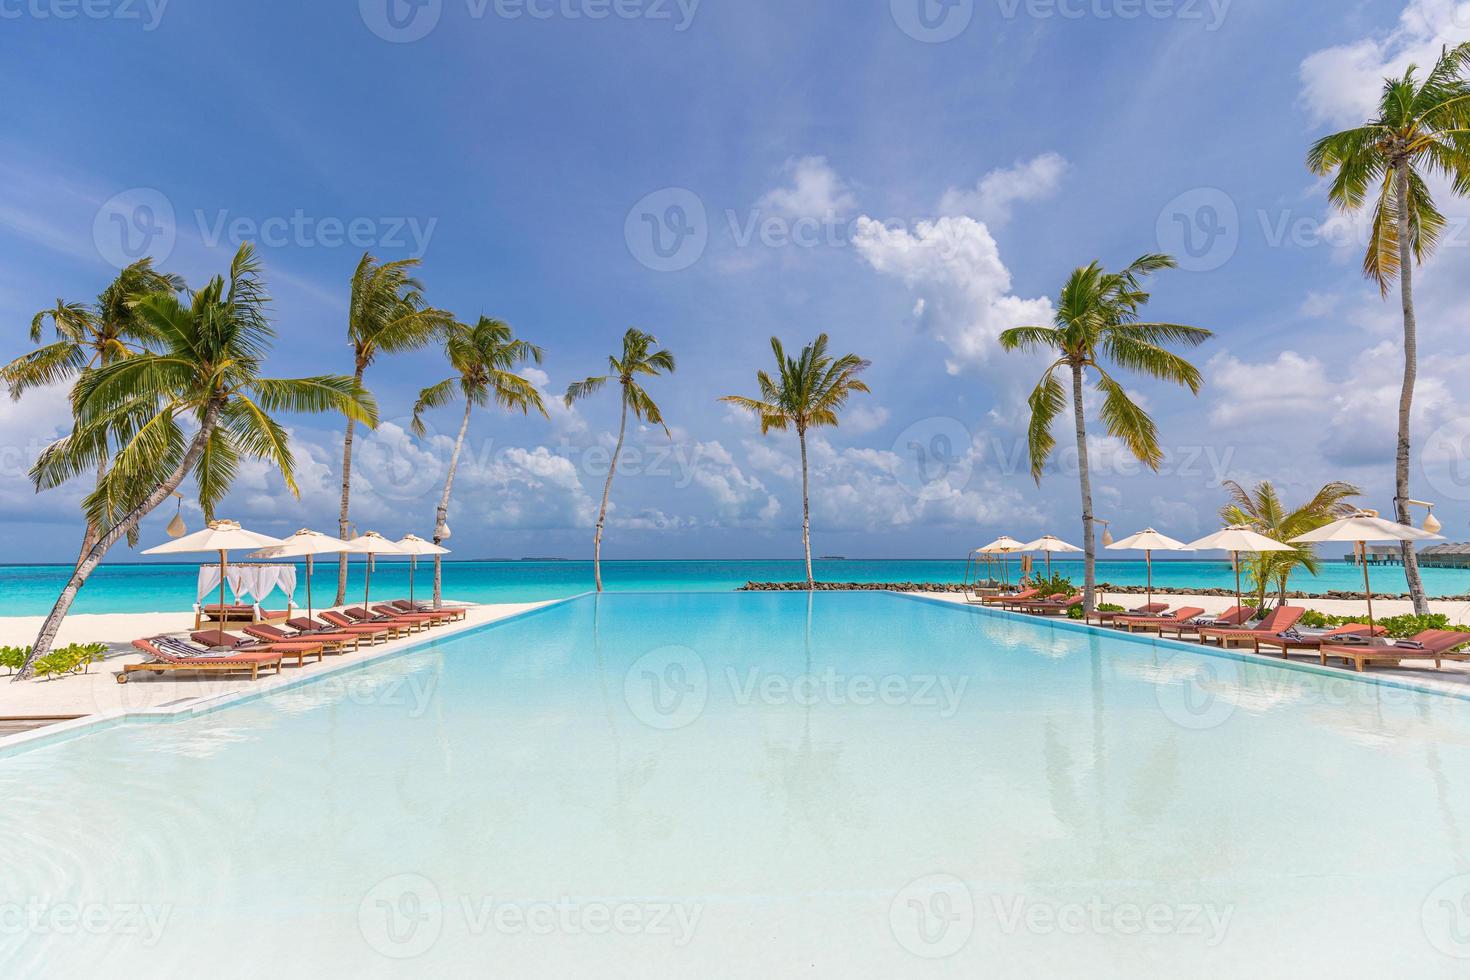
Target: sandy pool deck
(98, 691)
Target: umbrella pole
(1235, 560)
(1367, 586)
(1148, 560)
(224, 617)
(413, 568)
(367, 583)
(308, 586)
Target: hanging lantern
(176, 527)
(442, 532)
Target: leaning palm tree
(206, 373)
(90, 336)
(641, 356)
(386, 314)
(1262, 509)
(484, 358)
(1422, 129)
(807, 393)
(1097, 320)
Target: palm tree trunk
(93, 532)
(606, 491)
(442, 517)
(47, 636)
(344, 526)
(806, 509)
(1406, 397)
(1089, 588)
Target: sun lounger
(1235, 616)
(1135, 623)
(1436, 645)
(1104, 618)
(298, 650)
(395, 629)
(224, 615)
(1006, 598)
(1055, 606)
(411, 621)
(1279, 620)
(167, 653)
(335, 643)
(428, 616)
(373, 634)
(454, 612)
(1289, 640)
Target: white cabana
(1003, 546)
(222, 537)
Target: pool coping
(11, 745)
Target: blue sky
(911, 198)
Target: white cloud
(1341, 85)
(739, 499)
(862, 418)
(815, 191)
(955, 266)
(1279, 389)
(992, 198)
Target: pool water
(698, 785)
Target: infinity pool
(700, 785)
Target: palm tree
(484, 357)
(206, 370)
(807, 393)
(641, 356)
(1262, 509)
(1422, 129)
(386, 314)
(90, 336)
(1097, 319)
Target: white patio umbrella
(1050, 545)
(413, 546)
(370, 544)
(1362, 529)
(1236, 539)
(305, 544)
(222, 537)
(1003, 545)
(1148, 541)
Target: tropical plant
(1097, 320)
(808, 392)
(14, 658)
(90, 336)
(386, 314)
(1262, 509)
(1422, 129)
(206, 373)
(484, 358)
(641, 357)
(1397, 627)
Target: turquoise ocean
(29, 590)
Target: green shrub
(68, 659)
(1399, 627)
(1076, 611)
(12, 658)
